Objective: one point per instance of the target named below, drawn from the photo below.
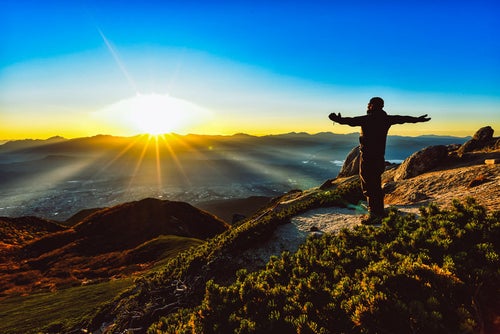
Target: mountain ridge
(23, 144)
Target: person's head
(376, 103)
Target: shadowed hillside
(115, 241)
(140, 221)
(18, 231)
(232, 210)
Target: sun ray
(159, 180)
(274, 173)
(139, 163)
(41, 185)
(122, 152)
(175, 159)
(118, 61)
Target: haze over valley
(57, 177)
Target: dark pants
(370, 172)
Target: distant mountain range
(59, 145)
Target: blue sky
(258, 67)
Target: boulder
(421, 162)
(389, 187)
(351, 164)
(481, 139)
(483, 135)
(417, 197)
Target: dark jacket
(374, 128)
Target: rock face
(483, 135)
(421, 161)
(351, 164)
(481, 139)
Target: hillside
(112, 242)
(226, 286)
(470, 177)
(17, 231)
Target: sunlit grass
(60, 310)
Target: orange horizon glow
(45, 131)
(163, 136)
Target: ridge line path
(289, 236)
(480, 181)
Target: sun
(155, 114)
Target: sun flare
(155, 114)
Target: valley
(56, 178)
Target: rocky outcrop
(421, 162)
(351, 164)
(483, 138)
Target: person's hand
(334, 117)
(424, 118)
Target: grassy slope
(163, 247)
(57, 311)
(68, 308)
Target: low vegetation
(439, 273)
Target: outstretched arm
(409, 119)
(352, 121)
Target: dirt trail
(290, 236)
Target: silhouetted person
(374, 127)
